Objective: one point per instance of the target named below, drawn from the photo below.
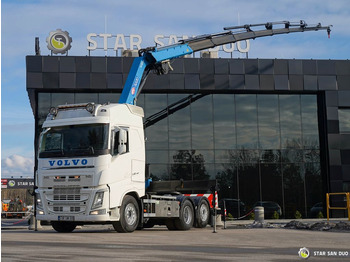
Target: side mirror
(123, 139)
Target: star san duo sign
(59, 42)
(134, 41)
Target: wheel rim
(187, 215)
(203, 212)
(130, 214)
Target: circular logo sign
(11, 183)
(304, 253)
(59, 41)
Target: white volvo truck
(91, 158)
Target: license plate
(65, 218)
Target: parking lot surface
(102, 243)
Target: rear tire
(170, 224)
(129, 216)
(63, 227)
(203, 214)
(186, 219)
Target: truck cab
(90, 157)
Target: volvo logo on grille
(68, 162)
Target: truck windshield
(74, 140)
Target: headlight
(39, 204)
(98, 200)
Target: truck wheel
(63, 227)
(170, 224)
(203, 214)
(186, 219)
(129, 216)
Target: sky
(23, 20)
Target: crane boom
(156, 58)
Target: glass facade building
(265, 129)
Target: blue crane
(157, 58)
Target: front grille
(63, 194)
(63, 200)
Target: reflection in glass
(271, 185)
(157, 134)
(258, 146)
(344, 120)
(313, 182)
(294, 194)
(44, 104)
(290, 117)
(86, 98)
(158, 171)
(61, 99)
(246, 121)
(224, 121)
(202, 123)
(268, 122)
(249, 184)
(179, 125)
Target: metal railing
(347, 195)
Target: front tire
(63, 227)
(129, 216)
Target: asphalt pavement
(102, 243)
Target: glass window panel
(44, 104)
(249, 186)
(294, 194)
(246, 119)
(272, 190)
(312, 155)
(311, 140)
(309, 112)
(226, 176)
(292, 155)
(157, 156)
(158, 172)
(157, 133)
(181, 171)
(203, 171)
(224, 121)
(181, 156)
(140, 100)
(247, 156)
(104, 98)
(269, 137)
(268, 122)
(290, 117)
(270, 156)
(202, 123)
(225, 156)
(179, 125)
(207, 156)
(86, 97)
(314, 192)
(344, 120)
(61, 99)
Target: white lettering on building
(134, 42)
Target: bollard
(34, 224)
(259, 214)
(218, 220)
